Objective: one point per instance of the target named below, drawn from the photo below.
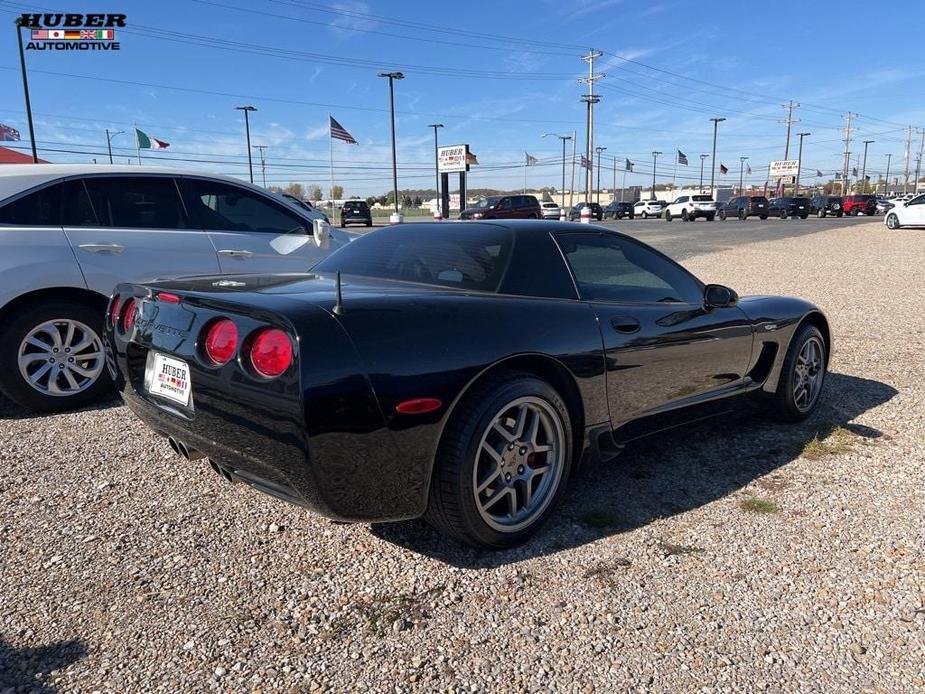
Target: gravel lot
(745, 556)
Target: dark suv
(597, 212)
(356, 212)
(789, 207)
(824, 205)
(744, 207)
(856, 204)
(619, 210)
(504, 207)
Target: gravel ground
(742, 556)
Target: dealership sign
(789, 167)
(453, 158)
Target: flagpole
(623, 189)
(571, 189)
(137, 144)
(331, 150)
(525, 178)
(674, 176)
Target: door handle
(236, 253)
(624, 324)
(102, 248)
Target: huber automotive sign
(780, 169)
(452, 158)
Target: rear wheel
(855, 212)
(763, 216)
(838, 214)
(804, 216)
(51, 356)
(820, 214)
(722, 215)
(783, 214)
(503, 461)
(892, 222)
(802, 375)
(645, 215)
(685, 217)
(743, 215)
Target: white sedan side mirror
(321, 233)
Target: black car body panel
(504, 207)
(746, 206)
(619, 210)
(326, 434)
(356, 212)
(597, 212)
(789, 207)
(825, 205)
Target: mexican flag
(145, 141)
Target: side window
(505, 204)
(77, 209)
(37, 209)
(918, 201)
(135, 202)
(225, 207)
(611, 268)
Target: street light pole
(742, 161)
(716, 122)
(886, 183)
(702, 157)
(247, 130)
(25, 89)
(599, 150)
(564, 138)
(654, 163)
(109, 137)
(396, 217)
(796, 181)
(437, 162)
(864, 165)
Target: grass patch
(756, 504)
(838, 442)
(600, 518)
(672, 550)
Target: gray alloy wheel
(685, 217)
(519, 464)
(892, 222)
(61, 357)
(808, 373)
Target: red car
(856, 204)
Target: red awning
(12, 156)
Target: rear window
(758, 198)
(355, 206)
(466, 256)
(701, 198)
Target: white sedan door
(251, 232)
(132, 229)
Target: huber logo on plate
(72, 32)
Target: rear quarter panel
(34, 258)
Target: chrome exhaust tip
(182, 449)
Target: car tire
(743, 215)
(783, 214)
(802, 375)
(762, 217)
(485, 462)
(369, 223)
(684, 216)
(632, 217)
(855, 212)
(722, 215)
(804, 216)
(892, 222)
(668, 216)
(69, 324)
(821, 214)
(645, 215)
(839, 214)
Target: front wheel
(821, 214)
(804, 216)
(685, 217)
(802, 376)
(722, 215)
(645, 215)
(668, 215)
(51, 356)
(892, 222)
(838, 214)
(763, 216)
(502, 464)
(783, 214)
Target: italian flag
(145, 141)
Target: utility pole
(716, 122)
(796, 181)
(435, 126)
(263, 163)
(599, 150)
(789, 121)
(702, 157)
(908, 157)
(654, 162)
(109, 137)
(247, 130)
(844, 178)
(863, 178)
(25, 89)
(918, 162)
(742, 161)
(886, 185)
(613, 190)
(590, 99)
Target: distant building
(11, 156)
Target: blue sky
(497, 75)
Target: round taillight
(270, 352)
(114, 310)
(128, 315)
(221, 341)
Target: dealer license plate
(168, 377)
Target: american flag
(8, 134)
(682, 158)
(723, 169)
(530, 161)
(584, 162)
(338, 132)
(629, 165)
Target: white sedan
(906, 214)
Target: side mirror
(718, 296)
(321, 233)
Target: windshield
(465, 256)
(487, 202)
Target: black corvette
(458, 372)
